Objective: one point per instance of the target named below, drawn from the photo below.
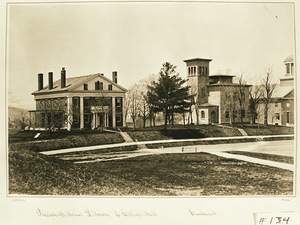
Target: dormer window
(85, 87)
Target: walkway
(285, 147)
(97, 147)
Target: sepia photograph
(151, 99)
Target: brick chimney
(115, 77)
(50, 80)
(63, 78)
(40, 81)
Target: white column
(70, 117)
(105, 125)
(93, 120)
(114, 111)
(81, 113)
(123, 109)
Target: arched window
(206, 71)
(202, 114)
(200, 70)
(189, 70)
(194, 69)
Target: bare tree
(22, 120)
(241, 96)
(255, 93)
(268, 90)
(133, 102)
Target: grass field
(253, 130)
(276, 158)
(197, 174)
(67, 141)
(180, 132)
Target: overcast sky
(135, 39)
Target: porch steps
(125, 136)
(242, 131)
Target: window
(226, 114)
(288, 68)
(200, 70)
(277, 116)
(118, 102)
(243, 113)
(43, 119)
(86, 118)
(203, 91)
(206, 71)
(235, 95)
(101, 86)
(287, 117)
(110, 87)
(202, 114)
(189, 70)
(97, 85)
(75, 118)
(119, 116)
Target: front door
(213, 117)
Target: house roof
(207, 105)
(281, 92)
(196, 59)
(74, 82)
(221, 75)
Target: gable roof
(74, 82)
(279, 92)
(282, 92)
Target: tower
(288, 79)
(197, 74)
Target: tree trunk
(266, 115)
(166, 117)
(197, 116)
(172, 118)
(133, 121)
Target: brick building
(216, 96)
(281, 108)
(85, 102)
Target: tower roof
(289, 59)
(197, 59)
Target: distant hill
(14, 116)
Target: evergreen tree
(169, 94)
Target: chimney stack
(63, 78)
(50, 80)
(40, 81)
(115, 77)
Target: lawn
(253, 130)
(276, 158)
(66, 141)
(180, 132)
(195, 174)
